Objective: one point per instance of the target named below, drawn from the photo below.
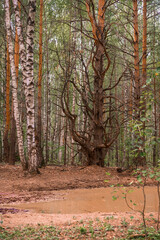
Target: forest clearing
(79, 119)
(53, 184)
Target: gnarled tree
(102, 125)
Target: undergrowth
(96, 229)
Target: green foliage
(1, 219)
(83, 230)
(140, 140)
(91, 230)
(124, 223)
(109, 227)
(149, 173)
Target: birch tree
(27, 61)
(12, 152)
(14, 86)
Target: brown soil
(17, 187)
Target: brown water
(96, 200)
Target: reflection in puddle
(96, 200)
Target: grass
(81, 230)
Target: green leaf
(149, 81)
(107, 173)
(143, 119)
(152, 175)
(106, 181)
(114, 198)
(130, 191)
(158, 179)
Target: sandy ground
(17, 187)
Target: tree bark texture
(136, 63)
(7, 124)
(30, 105)
(12, 152)
(26, 56)
(14, 87)
(39, 124)
(99, 153)
(139, 158)
(144, 73)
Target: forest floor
(17, 187)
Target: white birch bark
(33, 161)
(26, 56)
(14, 87)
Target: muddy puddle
(96, 200)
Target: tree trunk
(12, 153)
(61, 138)
(144, 74)
(138, 159)
(98, 103)
(0, 147)
(30, 105)
(98, 106)
(155, 97)
(47, 93)
(7, 126)
(14, 88)
(39, 125)
(28, 80)
(12, 150)
(136, 63)
(97, 139)
(72, 141)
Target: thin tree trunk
(14, 88)
(116, 142)
(47, 93)
(39, 125)
(144, 47)
(65, 141)
(7, 125)
(138, 159)
(0, 147)
(12, 149)
(144, 72)
(72, 141)
(136, 63)
(61, 139)
(131, 99)
(57, 127)
(12, 153)
(74, 91)
(155, 104)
